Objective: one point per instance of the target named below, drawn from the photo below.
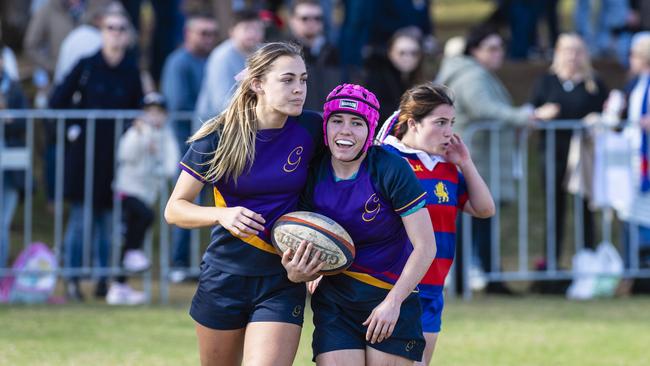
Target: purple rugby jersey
(271, 187)
(370, 207)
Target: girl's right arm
(183, 212)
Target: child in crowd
(147, 155)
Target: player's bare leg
(431, 338)
(345, 357)
(378, 358)
(220, 347)
(271, 344)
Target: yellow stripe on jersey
(366, 278)
(193, 171)
(259, 244)
(412, 202)
(255, 241)
(219, 201)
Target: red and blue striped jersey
(446, 194)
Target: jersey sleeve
(397, 182)
(196, 161)
(463, 195)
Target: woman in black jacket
(575, 92)
(110, 79)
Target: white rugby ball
(333, 242)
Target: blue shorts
(341, 304)
(432, 313)
(227, 301)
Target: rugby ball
(333, 242)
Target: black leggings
(137, 218)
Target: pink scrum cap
(355, 99)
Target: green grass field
(485, 331)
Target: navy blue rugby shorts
(341, 304)
(227, 301)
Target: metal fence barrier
(523, 270)
(24, 157)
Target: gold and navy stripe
(256, 241)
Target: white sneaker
(123, 294)
(477, 278)
(177, 276)
(135, 261)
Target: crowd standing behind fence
(355, 36)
